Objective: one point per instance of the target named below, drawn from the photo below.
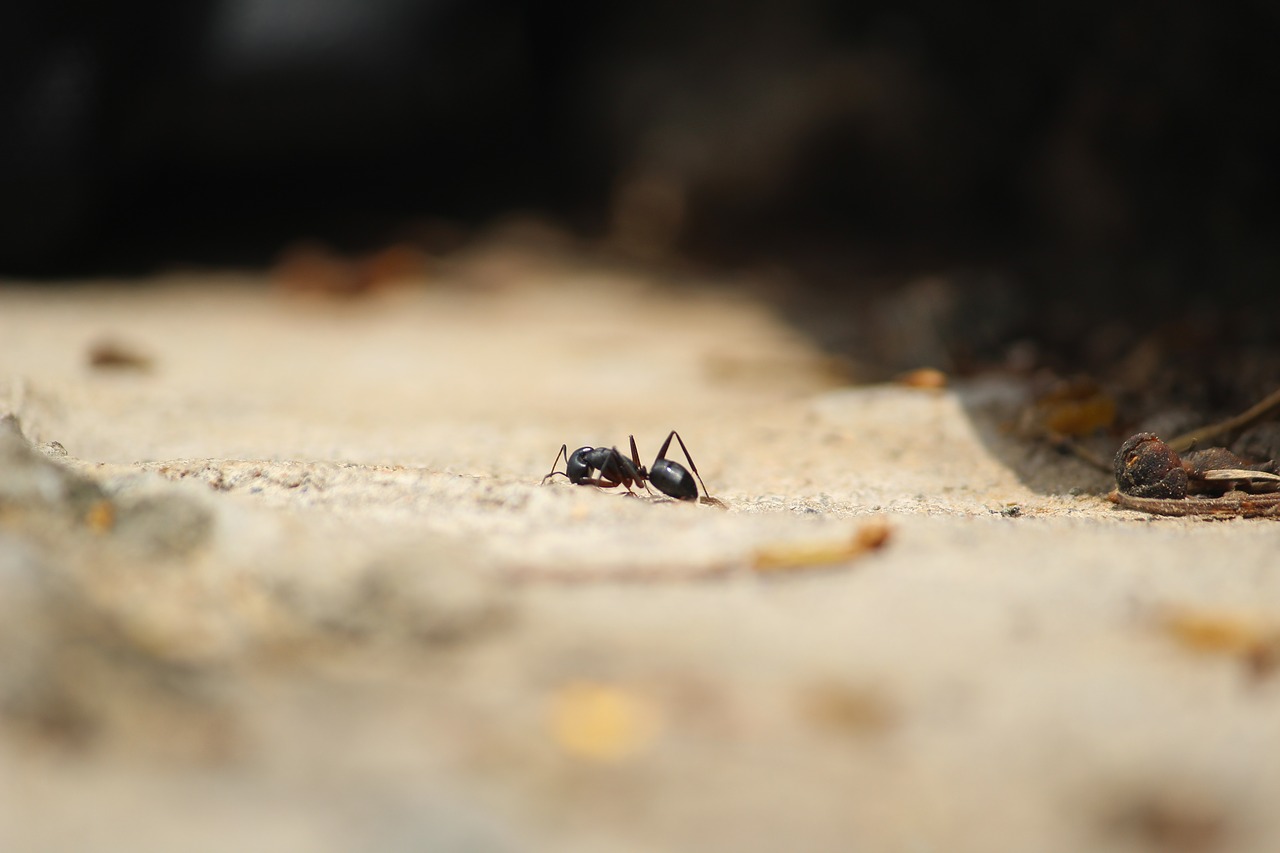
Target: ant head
(576, 465)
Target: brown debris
(847, 709)
(316, 269)
(1075, 409)
(1177, 822)
(113, 355)
(924, 378)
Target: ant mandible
(669, 477)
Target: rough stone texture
(317, 599)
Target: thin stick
(1208, 434)
(1081, 452)
(1242, 506)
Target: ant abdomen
(673, 480)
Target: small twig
(1063, 442)
(1208, 434)
(1235, 505)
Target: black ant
(669, 477)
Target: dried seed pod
(1151, 477)
(1147, 468)
(1217, 470)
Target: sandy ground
(296, 587)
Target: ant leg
(599, 482)
(640, 469)
(692, 465)
(627, 473)
(564, 451)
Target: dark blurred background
(1086, 146)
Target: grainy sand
(312, 597)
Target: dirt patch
(297, 586)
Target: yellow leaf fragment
(101, 517)
(1254, 640)
(1217, 631)
(789, 556)
(602, 722)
